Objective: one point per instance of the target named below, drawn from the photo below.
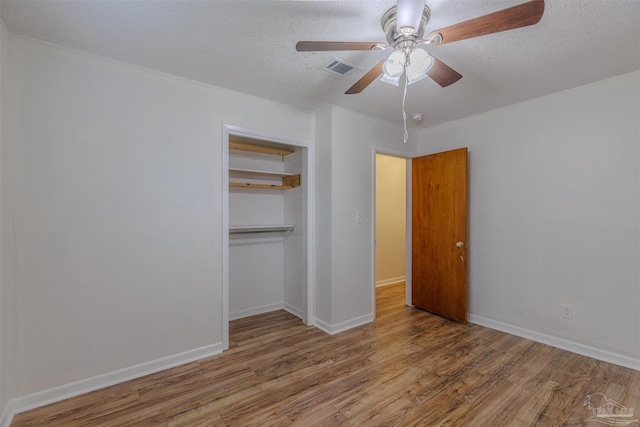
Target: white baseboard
(240, 314)
(343, 326)
(293, 310)
(574, 347)
(323, 326)
(7, 415)
(56, 394)
(391, 281)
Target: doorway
(390, 267)
(448, 212)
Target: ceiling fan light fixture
(394, 66)
(409, 15)
(390, 80)
(407, 31)
(420, 62)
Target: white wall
(345, 143)
(323, 140)
(117, 180)
(295, 262)
(391, 202)
(6, 246)
(554, 216)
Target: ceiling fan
(404, 27)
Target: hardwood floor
(408, 368)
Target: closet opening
(265, 226)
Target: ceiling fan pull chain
(404, 113)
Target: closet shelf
(288, 180)
(246, 229)
(259, 173)
(244, 146)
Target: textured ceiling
(249, 46)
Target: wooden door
(439, 234)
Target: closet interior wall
(267, 269)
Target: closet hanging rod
(260, 229)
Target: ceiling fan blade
(442, 74)
(522, 15)
(366, 80)
(306, 46)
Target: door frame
(408, 156)
(308, 180)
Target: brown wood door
(439, 233)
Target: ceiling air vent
(338, 66)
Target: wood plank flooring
(408, 368)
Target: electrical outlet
(567, 311)
(358, 217)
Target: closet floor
(407, 368)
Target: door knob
(460, 245)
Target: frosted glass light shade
(391, 80)
(409, 14)
(394, 66)
(419, 65)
